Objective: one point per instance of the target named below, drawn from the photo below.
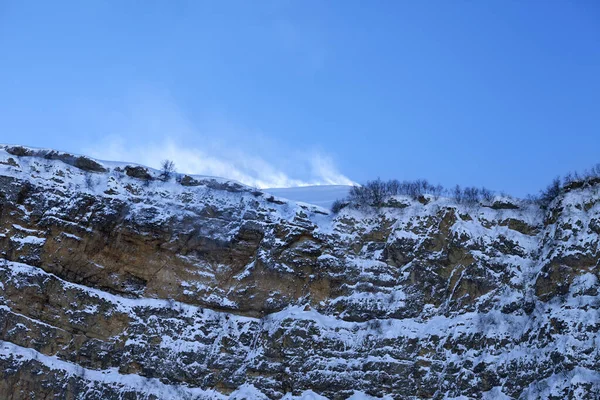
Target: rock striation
(115, 284)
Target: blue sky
(277, 93)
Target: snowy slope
(322, 196)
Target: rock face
(115, 285)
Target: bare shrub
(167, 168)
(457, 194)
(437, 191)
(359, 195)
(486, 194)
(550, 193)
(568, 179)
(378, 191)
(471, 195)
(392, 187)
(595, 170)
(375, 193)
(338, 205)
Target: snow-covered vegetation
(375, 193)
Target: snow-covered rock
(116, 283)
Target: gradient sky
(276, 93)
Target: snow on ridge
(411, 328)
(110, 165)
(148, 386)
(494, 323)
(111, 376)
(320, 195)
(122, 304)
(56, 174)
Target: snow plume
(152, 131)
(323, 168)
(232, 163)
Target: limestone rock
(142, 289)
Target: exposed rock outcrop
(142, 289)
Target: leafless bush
(550, 193)
(338, 205)
(437, 191)
(167, 168)
(377, 190)
(487, 194)
(568, 179)
(470, 195)
(457, 193)
(359, 195)
(375, 193)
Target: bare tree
(437, 191)
(457, 194)
(550, 193)
(378, 191)
(471, 195)
(392, 187)
(167, 168)
(568, 178)
(487, 194)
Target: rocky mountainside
(119, 283)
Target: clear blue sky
(498, 93)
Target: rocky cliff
(119, 283)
